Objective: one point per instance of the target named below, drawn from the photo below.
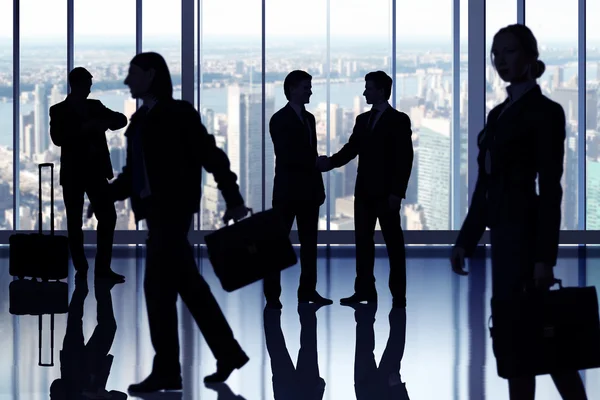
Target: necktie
(307, 125)
(372, 118)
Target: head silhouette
(378, 87)
(80, 82)
(149, 76)
(515, 54)
(297, 87)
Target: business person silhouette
(167, 147)
(382, 140)
(370, 381)
(85, 367)
(298, 190)
(78, 126)
(302, 382)
(523, 140)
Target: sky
(550, 20)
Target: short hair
(528, 44)
(79, 75)
(293, 79)
(382, 81)
(162, 85)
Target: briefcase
(249, 250)
(31, 297)
(543, 332)
(38, 255)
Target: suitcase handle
(51, 342)
(251, 214)
(40, 167)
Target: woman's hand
(457, 260)
(543, 275)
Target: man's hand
(323, 164)
(235, 213)
(457, 260)
(394, 202)
(543, 275)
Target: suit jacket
(297, 178)
(176, 146)
(77, 159)
(385, 155)
(526, 142)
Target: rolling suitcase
(30, 297)
(37, 255)
(250, 249)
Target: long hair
(162, 85)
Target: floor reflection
(438, 348)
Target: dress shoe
(224, 369)
(314, 297)
(109, 274)
(357, 298)
(155, 383)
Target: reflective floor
(439, 348)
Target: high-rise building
(244, 142)
(434, 174)
(41, 126)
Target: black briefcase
(248, 250)
(38, 255)
(31, 297)
(543, 332)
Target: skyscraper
(42, 133)
(244, 142)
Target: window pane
(296, 40)
(161, 32)
(424, 90)
(463, 108)
(591, 123)
(352, 57)
(498, 14)
(105, 51)
(43, 73)
(558, 49)
(6, 116)
(231, 100)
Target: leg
(308, 226)
(365, 219)
(73, 196)
(522, 388)
(569, 385)
(394, 242)
(272, 284)
(104, 209)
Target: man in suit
(78, 126)
(382, 140)
(298, 190)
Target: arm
(405, 154)
(349, 151)
(121, 187)
(114, 120)
(62, 128)
(474, 225)
(285, 152)
(549, 157)
(216, 162)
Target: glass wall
(337, 42)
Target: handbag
(546, 331)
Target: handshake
(324, 164)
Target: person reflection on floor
(370, 381)
(85, 367)
(302, 382)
